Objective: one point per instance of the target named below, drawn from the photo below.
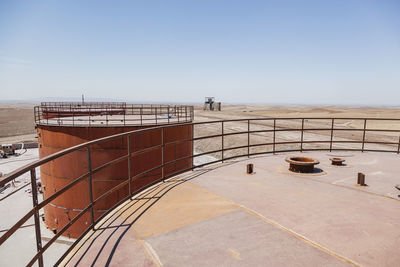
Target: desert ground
(17, 124)
(309, 112)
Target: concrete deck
(15, 202)
(220, 216)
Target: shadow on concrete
(151, 196)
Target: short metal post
(330, 145)
(248, 138)
(302, 133)
(129, 164)
(365, 125)
(222, 141)
(141, 116)
(89, 163)
(168, 114)
(156, 113)
(361, 179)
(273, 144)
(36, 215)
(250, 168)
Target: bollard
(397, 187)
(337, 161)
(361, 179)
(250, 168)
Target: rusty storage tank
(62, 125)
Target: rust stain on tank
(58, 173)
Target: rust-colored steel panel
(58, 173)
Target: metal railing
(252, 133)
(110, 114)
(83, 104)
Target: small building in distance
(210, 104)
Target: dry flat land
(256, 111)
(16, 123)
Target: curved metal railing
(110, 114)
(224, 140)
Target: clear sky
(294, 52)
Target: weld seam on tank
(94, 178)
(94, 149)
(77, 210)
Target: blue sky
(294, 52)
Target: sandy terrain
(253, 111)
(17, 124)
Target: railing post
(222, 141)
(168, 114)
(106, 116)
(192, 146)
(141, 115)
(302, 134)
(162, 153)
(36, 215)
(332, 124)
(273, 143)
(129, 164)
(248, 138)
(155, 108)
(398, 146)
(124, 111)
(365, 125)
(89, 163)
(186, 114)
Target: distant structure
(210, 104)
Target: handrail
(102, 114)
(221, 132)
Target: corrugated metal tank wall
(58, 173)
